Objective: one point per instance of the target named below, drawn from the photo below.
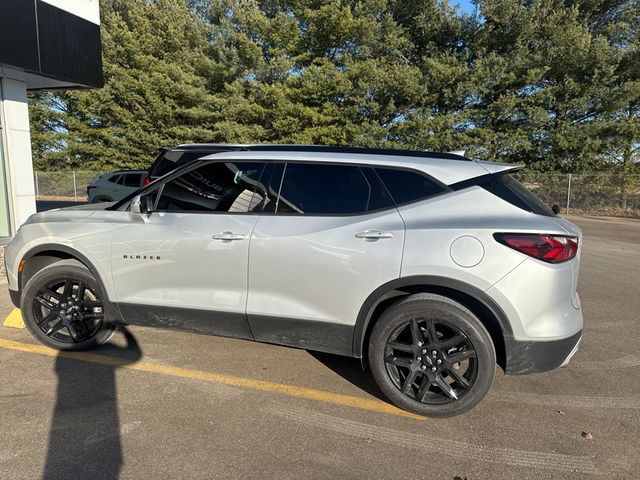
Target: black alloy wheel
(432, 356)
(63, 306)
(67, 310)
(430, 360)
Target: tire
(81, 324)
(410, 366)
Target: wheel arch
(486, 309)
(46, 254)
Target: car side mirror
(136, 205)
(556, 208)
(141, 205)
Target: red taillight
(546, 247)
(146, 181)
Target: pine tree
(157, 72)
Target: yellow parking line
(14, 319)
(289, 390)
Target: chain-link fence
(63, 185)
(593, 194)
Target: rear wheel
(432, 356)
(63, 307)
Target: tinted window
(116, 179)
(214, 187)
(132, 180)
(406, 186)
(509, 189)
(269, 186)
(329, 190)
(172, 159)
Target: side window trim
(284, 172)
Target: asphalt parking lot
(160, 404)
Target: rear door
(185, 264)
(332, 237)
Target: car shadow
(351, 370)
(84, 436)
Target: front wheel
(432, 356)
(63, 306)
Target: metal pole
(568, 194)
(75, 190)
(37, 189)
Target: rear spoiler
(495, 168)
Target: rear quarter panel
(433, 225)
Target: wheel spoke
(400, 346)
(91, 303)
(461, 356)
(446, 388)
(431, 330)
(424, 389)
(398, 361)
(408, 382)
(51, 293)
(73, 332)
(80, 291)
(452, 342)
(44, 302)
(416, 334)
(59, 325)
(66, 292)
(462, 381)
(46, 319)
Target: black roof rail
(222, 147)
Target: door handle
(228, 236)
(374, 234)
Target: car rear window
(511, 190)
(406, 186)
(132, 180)
(115, 179)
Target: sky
(465, 5)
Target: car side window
(115, 179)
(132, 180)
(322, 189)
(214, 187)
(406, 186)
(174, 158)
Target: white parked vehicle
(114, 186)
(430, 267)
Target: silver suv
(429, 267)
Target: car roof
(288, 147)
(445, 169)
(126, 171)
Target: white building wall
(17, 147)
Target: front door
(333, 238)
(184, 265)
